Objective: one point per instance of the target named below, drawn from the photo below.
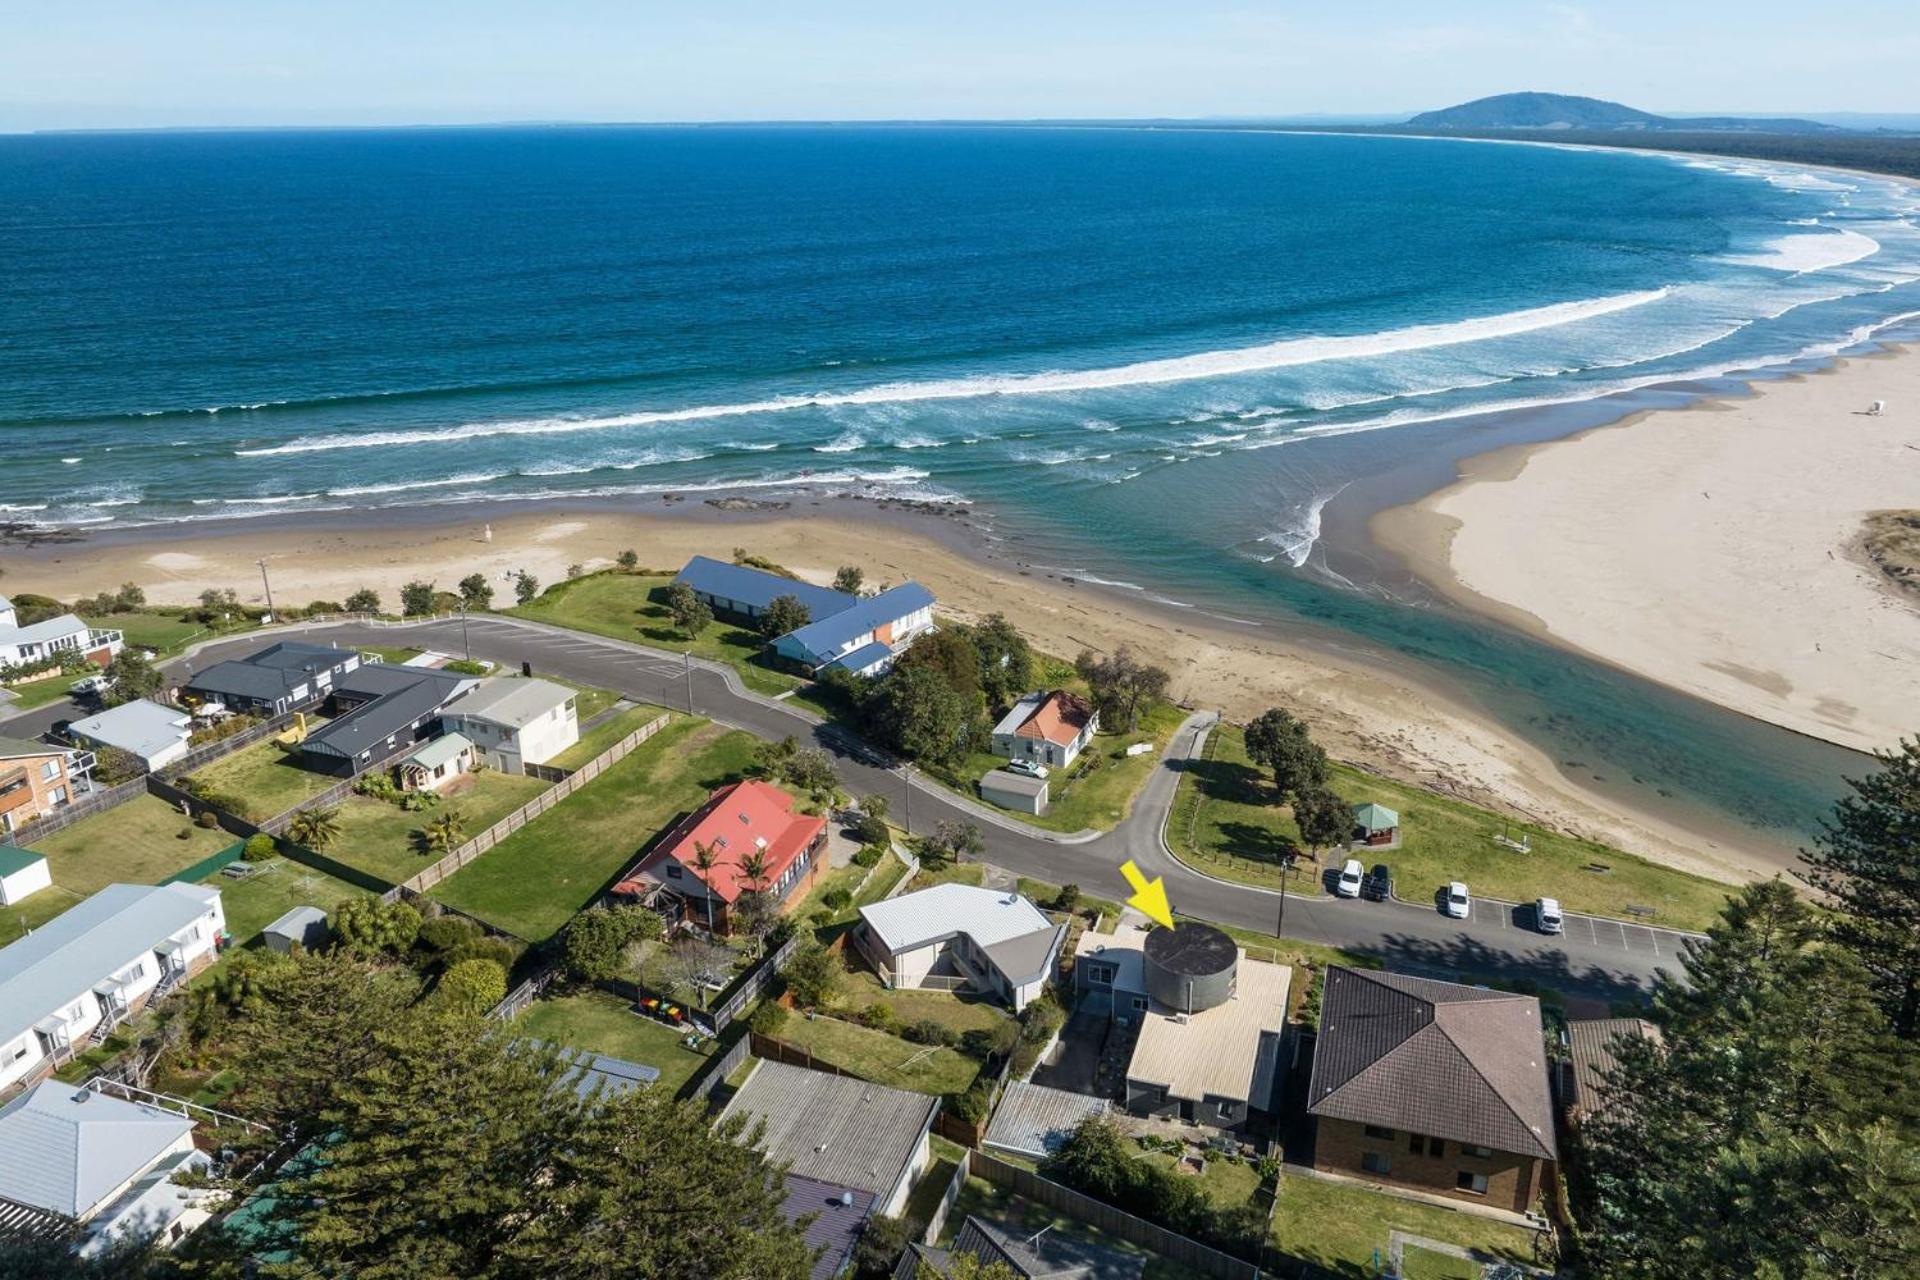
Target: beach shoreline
(1379, 714)
(1706, 548)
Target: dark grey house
(284, 677)
(380, 709)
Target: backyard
(263, 780)
(881, 1057)
(1340, 1226)
(382, 839)
(142, 841)
(601, 1023)
(1225, 824)
(1025, 1218)
(631, 606)
(533, 882)
(597, 739)
(273, 889)
(1096, 792)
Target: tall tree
(1006, 661)
(363, 601)
(705, 859)
(1324, 819)
(1282, 744)
(1122, 685)
(131, 675)
(691, 615)
(1867, 858)
(525, 587)
(416, 598)
(923, 717)
(784, 614)
(476, 592)
(849, 579)
(952, 654)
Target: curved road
(1596, 958)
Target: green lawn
(630, 606)
(952, 873)
(1098, 790)
(29, 694)
(395, 654)
(274, 889)
(596, 1021)
(594, 741)
(1043, 894)
(1226, 1182)
(138, 842)
(166, 631)
(533, 882)
(1338, 1226)
(1225, 824)
(264, 779)
(960, 1013)
(381, 838)
(881, 1058)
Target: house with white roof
(73, 1157)
(154, 732)
(42, 644)
(85, 971)
(515, 721)
(992, 941)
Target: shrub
(628, 560)
(473, 985)
(259, 847)
(927, 1031)
(445, 933)
(986, 1042)
(814, 975)
(880, 1017)
(461, 666)
(971, 1106)
(768, 1019)
(369, 926)
(1068, 898)
(838, 899)
(881, 1243)
(375, 785)
(872, 830)
(208, 819)
(596, 942)
(869, 857)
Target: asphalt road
(1595, 958)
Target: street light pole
(686, 658)
(906, 777)
(466, 644)
(268, 585)
(1286, 866)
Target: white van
(1351, 876)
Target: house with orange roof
(1051, 727)
(755, 842)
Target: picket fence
(526, 813)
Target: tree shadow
(1228, 780)
(1258, 844)
(1526, 970)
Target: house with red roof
(1050, 728)
(740, 823)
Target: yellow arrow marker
(1149, 897)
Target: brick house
(1432, 1085)
(35, 780)
(736, 820)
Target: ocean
(1161, 359)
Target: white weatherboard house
(44, 643)
(990, 940)
(86, 970)
(515, 721)
(155, 733)
(71, 1157)
(22, 873)
(1050, 728)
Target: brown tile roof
(1060, 718)
(1437, 1058)
(1590, 1044)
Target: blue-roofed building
(862, 635)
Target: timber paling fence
(527, 812)
(80, 810)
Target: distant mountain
(1564, 111)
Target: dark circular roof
(1191, 950)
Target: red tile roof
(734, 820)
(1060, 719)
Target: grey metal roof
(825, 634)
(63, 959)
(1590, 1051)
(244, 680)
(13, 748)
(1053, 1255)
(1437, 1058)
(1018, 783)
(988, 916)
(834, 1128)
(298, 656)
(835, 1228)
(514, 702)
(608, 1074)
(758, 588)
(65, 1149)
(399, 697)
(143, 727)
(1036, 1121)
(444, 749)
(295, 923)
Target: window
(1375, 1162)
(15, 1052)
(673, 872)
(1426, 1146)
(1482, 1153)
(1375, 1131)
(1100, 975)
(50, 770)
(1139, 1004)
(1474, 1182)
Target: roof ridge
(1492, 1088)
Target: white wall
(548, 736)
(27, 880)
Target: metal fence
(718, 1069)
(1193, 1256)
(525, 994)
(751, 984)
(526, 813)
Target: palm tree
(446, 833)
(705, 858)
(753, 869)
(315, 828)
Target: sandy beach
(1711, 549)
(1376, 716)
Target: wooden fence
(80, 810)
(212, 751)
(718, 1069)
(526, 813)
(1190, 1254)
(525, 994)
(955, 1185)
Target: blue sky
(138, 63)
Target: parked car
(1546, 914)
(1348, 885)
(1457, 902)
(91, 687)
(1031, 768)
(1379, 885)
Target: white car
(1458, 903)
(92, 684)
(1351, 876)
(1030, 768)
(1546, 914)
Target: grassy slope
(264, 779)
(599, 1022)
(628, 606)
(1225, 824)
(381, 838)
(881, 1058)
(594, 741)
(537, 878)
(1338, 1226)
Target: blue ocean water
(1150, 349)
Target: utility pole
(465, 643)
(686, 658)
(1286, 866)
(906, 776)
(266, 584)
